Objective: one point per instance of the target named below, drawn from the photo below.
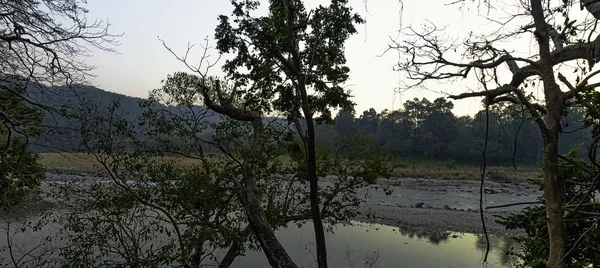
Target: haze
(142, 61)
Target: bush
(20, 173)
(583, 231)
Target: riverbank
(434, 205)
(445, 205)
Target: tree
(294, 60)
(579, 221)
(42, 43)
(19, 171)
(198, 207)
(369, 122)
(344, 121)
(417, 111)
(441, 125)
(560, 39)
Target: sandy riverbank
(434, 204)
(445, 205)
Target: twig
(515, 204)
(483, 167)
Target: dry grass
(87, 163)
(450, 170)
(84, 163)
(70, 162)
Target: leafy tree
(20, 172)
(441, 126)
(196, 209)
(417, 111)
(369, 122)
(344, 121)
(581, 223)
(296, 65)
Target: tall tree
(369, 122)
(295, 59)
(344, 121)
(560, 39)
(417, 111)
(441, 126)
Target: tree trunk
(235, 249)
(274, 251)
(311, 159)
(553, 187)
(249, 198)
(557, 233)
(314, 192)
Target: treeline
(423, 129)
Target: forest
(428, 130)
(251, 152)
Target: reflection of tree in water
(503, 246)
(433, 237)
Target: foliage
(20, 172)
(295, 64)
(532, 219)
(169, 215)
(306, 47)
(429, 130)
(193, 209)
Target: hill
(61, 133)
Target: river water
(351, 245)
(358, 245)
(362, 245)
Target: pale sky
(142, 62)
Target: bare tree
(561, 40)
(43, 43)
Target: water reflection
(393, 247)
(502, 247)
(433, 237)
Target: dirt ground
(445, 205)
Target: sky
(141, 61)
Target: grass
(450, 170)
(70, 162)
(84, 163)
(87, 163)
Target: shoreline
(435, 205)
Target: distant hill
(61, 134)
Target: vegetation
(20, 173)
(424, 131)
(83, 163)
(581, 220)
(204, 165)
(286, 53)
(41, 43)
(513, 136)
(199, 208)
(560, 39)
